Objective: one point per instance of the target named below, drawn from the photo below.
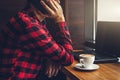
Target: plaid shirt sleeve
(36, 37)
(62, 36)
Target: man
(28, 49)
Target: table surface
(107, 71)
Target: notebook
(107, 45)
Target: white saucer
(93, 67)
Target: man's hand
(54, 10)
(52, 68)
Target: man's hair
(36, 4)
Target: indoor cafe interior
(94, 27)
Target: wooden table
(107, 71)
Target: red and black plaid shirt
(24, 41)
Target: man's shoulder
(26, 17)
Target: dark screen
(108, 38)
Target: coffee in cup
(86, 60)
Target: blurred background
(81, 16)
(9, 8)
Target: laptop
(107, 45)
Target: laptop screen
(108, 38)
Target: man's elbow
(69, 62)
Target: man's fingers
(53, 70)
(49, 71)
(58, 1)
(56, 72)
(49, 10)
(55, 3)
(52, 6)
(57, 68)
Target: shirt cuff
(62, 24)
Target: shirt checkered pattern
(24, 41)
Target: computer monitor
(108, 38)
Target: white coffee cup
(86, 60)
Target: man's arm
(40, 39)
(61, 34)
(36, 37)
(60, 31)
(33, 36)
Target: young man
(28, 50)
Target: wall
(89, 19)
(75, 18)
(111, 12)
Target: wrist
(59, 19)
